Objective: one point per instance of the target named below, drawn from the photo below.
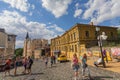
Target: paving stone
(59, 71)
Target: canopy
(56, 51)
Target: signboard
(115, 51)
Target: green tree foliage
(118, 32)
(19, 52)
(118, 35)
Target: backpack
(31, 61)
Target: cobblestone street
(59, 71)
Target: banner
(115, 51)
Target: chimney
(91, 23)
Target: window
(9, 38)
(74, 36)
(75, 48)
(111, 33)
(96, 34)
(72, 48)
(71, 37)
(87, 34)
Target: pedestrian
(105, 55)
(84, 65)
(16, 63)
(7, 66)
(54, 59)
(24, 64)
(51, 60)
(75, 65)
(29, 64)
(46, 61)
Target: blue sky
(49, 18)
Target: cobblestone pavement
(59, 71)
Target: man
(29, 64)
(7, 66)
(105, 55)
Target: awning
(57, 51)
(2, 47)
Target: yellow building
(80, 36)
(7, 43)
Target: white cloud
(33, 6)
(17, 24)
(21, 5)
(101, 10)
(77, 5)
(56, 28)
(77, 13)
(56, 7)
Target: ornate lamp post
(100, 39)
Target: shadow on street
(27, 74)
(101, 77)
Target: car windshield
(62, 56)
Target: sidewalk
(111, 65)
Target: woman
(75, 65)
(84, 64)
(46, 61)
(24, 64)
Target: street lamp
(100, 38)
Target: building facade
(7, 43)
(34, 47)
(80, 36)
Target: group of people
(83, 61)
(52, 60)
(76, 66)
(26, 62)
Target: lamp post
(100, 38)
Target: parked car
(62, 58)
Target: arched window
(111, 33)
(87, 34)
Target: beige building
(7, 43)
(35, 47)
(80, 36)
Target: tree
(19, 52)
(119, 35)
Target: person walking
(46, 61)
(52, 60)
(24, 64)
(75, 65)
(7, 66)
(105, 55)
(84, 65)
(29, 64)
(16, 62)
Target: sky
(50, 18)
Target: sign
(115, 51)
